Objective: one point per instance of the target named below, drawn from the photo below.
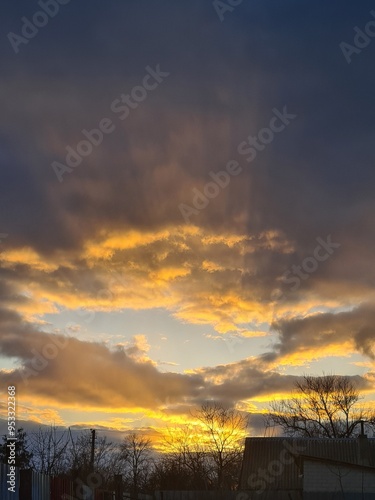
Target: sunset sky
(138, 280)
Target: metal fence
(29, 485)
(61, 488)
(34, 486)
(5, 492)
(196, 495)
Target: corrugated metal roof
(272, 463)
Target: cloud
(340, 333)
(71, 376)
(248, 379)
(90, 374)
(222, 88)
(111, 236)
(125, 197)
(144, 270)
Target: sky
(186, 200)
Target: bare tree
(325, 406)
(137, 455)
(169, 473)
(79, 453)
(49, 447)
(224, 430)
(189, 456)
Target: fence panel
(104, 495)
(61, 488)
(5, 494)
(196, 495)
(34, 486)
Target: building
(308, 469)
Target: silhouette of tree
(325, 406)
(23, 453)
(136, 451)
(224, 429)
(79, 454)
(186, 455)
(49, 447)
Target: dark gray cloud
(318, 331)
(225, 80)
(64, 369)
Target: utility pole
(93, 432)
(119, 494)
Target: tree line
(204, 454)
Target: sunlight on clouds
(166, 269)
(223, 239)
(120, 241)
(364, 364)
(253, 333)
(246, 406)
(40, 415)
(211, 266)
(225, 313)
(38, 305)
(144, 270)
(267, 398)
(157, 316)
(170, 274)
(27, 256)
(308, 304)
(303, 356)
(106, 245)
(137, 349)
